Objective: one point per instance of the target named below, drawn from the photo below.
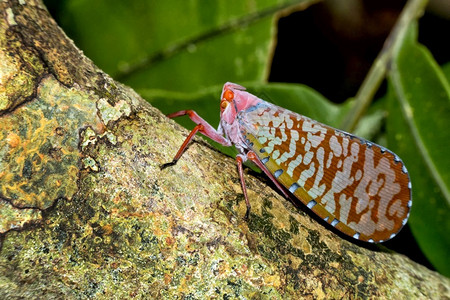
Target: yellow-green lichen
(20, 69)
(13, 218)
(90, 137)
(39, 154)
(90, 163)
(16, 82)
(110, 112)
(10, 17)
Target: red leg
(207, 129)
(203, 127)
(239, 161)
(183, 147)
(254, 158)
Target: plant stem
(411, 12)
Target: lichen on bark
(97, 218)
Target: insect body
(359, 187)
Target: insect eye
(223, 104)
(228, 95)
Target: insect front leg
(203, 127)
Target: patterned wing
(360, 188)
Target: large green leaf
(419, 131)
(176, 45)
(446, 70)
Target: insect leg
(202, 127)
(240, 159)
(183, 147)
(254, 158)
(206, 130)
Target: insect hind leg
(254, 158)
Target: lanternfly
(360, 188)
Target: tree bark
(85, 210)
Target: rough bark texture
(86, 212)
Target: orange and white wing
(359, 187)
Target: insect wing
(360, 188)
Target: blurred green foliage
(176, 45)
(419, 131)
(178, 54)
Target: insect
(360, 188)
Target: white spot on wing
(293, 187)
(330, 158)
(278, 173)
(306, 174)
(335, 146)
(334, 222)
(262, 140)
(346, 205)
(404, 169)
(293, 164)
(311, 204)
(275, 154)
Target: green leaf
(419, 131)
(177, 45)
(446, 70)
(371, 125)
